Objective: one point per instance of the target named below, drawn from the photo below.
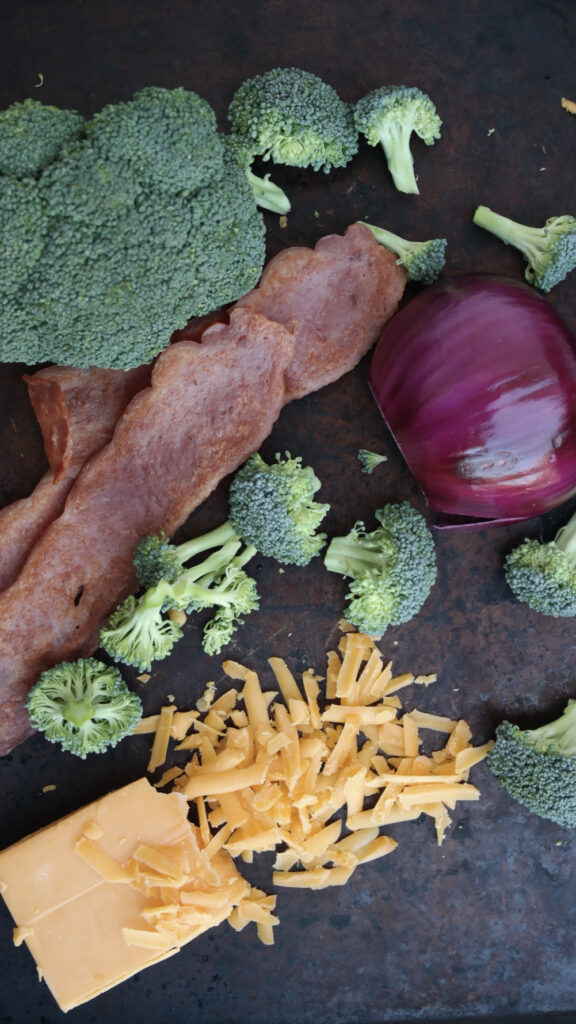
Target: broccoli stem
(566, 539)
(78, 711)
(268, 195)
(388, 239)
(187, 589)
(395, 141)
(348, 556)
(560, 735)
(216, 538)
(522, 236)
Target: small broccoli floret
(33, 135)
(137, 633)
(216, 581)
(292, 117)
(543, 574)
(370, 460)
(267, 195)
(84, 706)
(423, 261)
(393, 568)
(273, 508)
(388, 116)
(550, 251)
(235, 596)
(537, 767)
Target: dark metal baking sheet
(481, 929)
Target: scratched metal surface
(481, 929)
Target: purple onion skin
(476, 380)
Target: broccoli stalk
(550, 251)
(84, 706)
(537, 767)
(423, 261)
(393, 568)
(388, 116)
(543, 574)
(267, 194)
(157, 558)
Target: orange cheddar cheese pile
(315, 777)
(117, 886)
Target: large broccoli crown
(33, 135)
(393, 568)
(84, 706)
(144, 223)
(293, 117)
(543, 577)
(388, 116)
(272, 507)
(549, 251)
(537, 767)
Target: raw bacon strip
(77, 411)
(209, 407)
(334, 298)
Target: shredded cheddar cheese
(314, 769)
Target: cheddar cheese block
(113, 888)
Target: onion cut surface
(476, 380)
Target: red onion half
(476, 380)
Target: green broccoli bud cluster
(84, 706)
(543, 574)
(273, 507)
(293, 117)
(537, 767)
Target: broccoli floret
(267, 195)
(145, 221)
(273, 508)
(543, 574)
(84, 706)
(423, 261)
(550, 251)
(235, 595)
(388, 116)
(156, 557)
(33, 135)
(293, 117)
(393, 568)
(370, 460)
(537, 767)
(216, 581)
(137, 633)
